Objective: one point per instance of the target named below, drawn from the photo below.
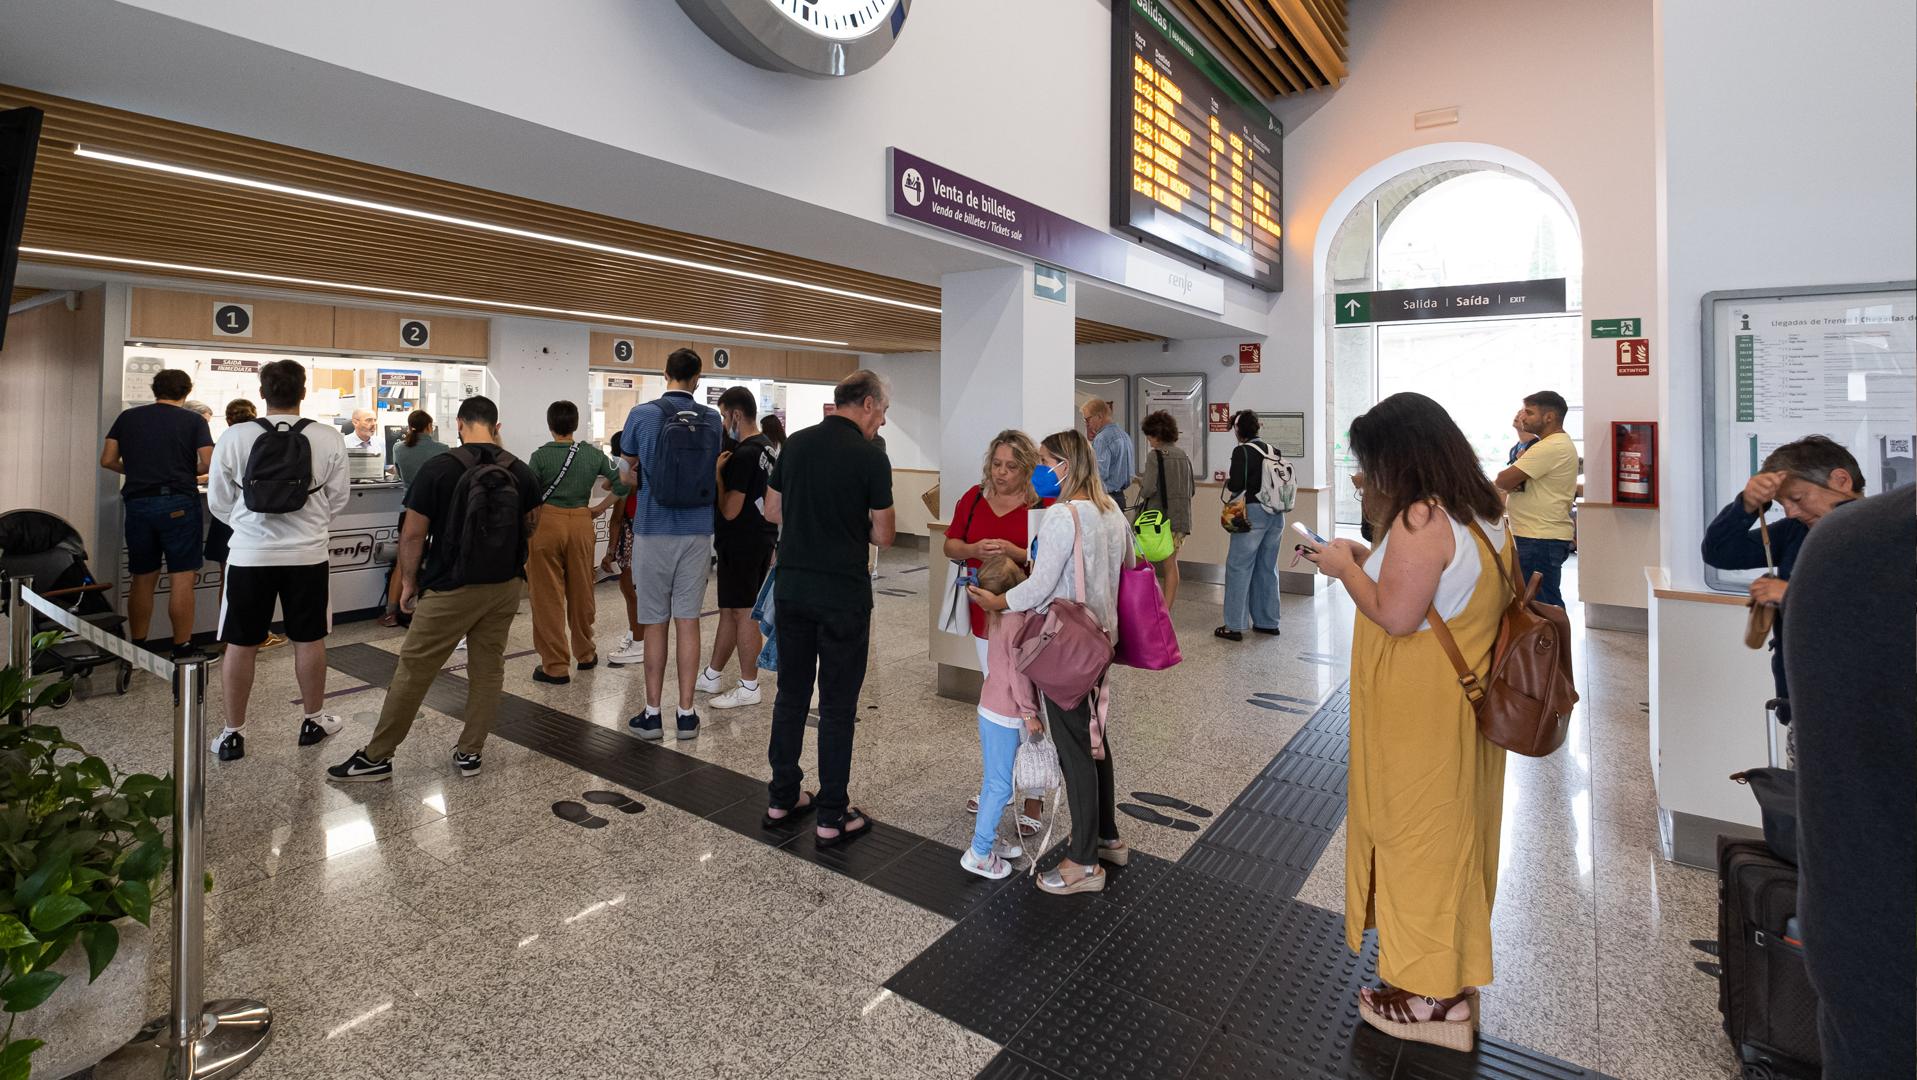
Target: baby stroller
(45, 546)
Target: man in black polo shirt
(162, 449)
(831, 490)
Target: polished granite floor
(445, 926)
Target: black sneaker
(315, 728)
(539, 675)
(467, 764)
(688, 725)
(360, 768)
(648, 725)
(229, 745)
(589, 664)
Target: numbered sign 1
(415, 333)
(722, 358)
(232, 320)
(622, 350)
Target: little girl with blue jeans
(1007, 703)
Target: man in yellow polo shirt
(1542, 483)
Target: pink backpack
(1065, 652)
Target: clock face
(821, 38)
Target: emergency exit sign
(1541, 296)
(1616, 328)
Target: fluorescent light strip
(503, 230)
(409, 294)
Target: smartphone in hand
(1311, 539)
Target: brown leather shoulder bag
(1524, 703)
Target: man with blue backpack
(673, 444)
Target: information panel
(1196, 158)
(1829, 360)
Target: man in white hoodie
(280, 524)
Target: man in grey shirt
(1112, 447)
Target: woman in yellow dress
(1426, 791)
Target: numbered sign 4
(415, 333)
(233, 320)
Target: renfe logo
(348, 550)
(913, 185)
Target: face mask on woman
(1045, 482)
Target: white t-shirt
(1460, 577)
(295, 539)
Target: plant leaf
(146, 862)
(140, 784)
(14, 933)
(29, 991)
(57, 946)
(15, 1058)
(97, 772)
(53, 912)
(41, 881)
(135, 899)
(102, 941)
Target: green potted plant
(82, 857)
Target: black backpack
(684, 454)
(279, 468)
(489, 547)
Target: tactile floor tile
(930, 876)
(1009, 1066)
(1124, 885)
(859, 858)
(1493, 1058)
(706, 791)
(1190, 944)
(1301, 996)
(1228, 1058)
(1092, 1029)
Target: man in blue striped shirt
(672, 545)
(1113, 447)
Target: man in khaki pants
(462, 559)
(559, 570)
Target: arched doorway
(1454, 222)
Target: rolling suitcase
(1769, 1006)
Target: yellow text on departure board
(1234, 204)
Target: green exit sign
(1353, 307)
(1615, 328)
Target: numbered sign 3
(415, 333)
(622, 351)
(233, 320)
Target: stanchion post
(197, 1039)
(20, 636)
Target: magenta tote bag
(1146, 639)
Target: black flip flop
(567, 810)
(845, 833)
(1152, 817)
(791, 815)
(623, 803)
(1167, 801)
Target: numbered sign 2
(622, 351)
(415, 333)
(232, 320)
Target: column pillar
(1006, 360)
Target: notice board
(1836, 360)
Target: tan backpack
(1524, 704)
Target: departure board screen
(1196, 158)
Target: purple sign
(936, 196)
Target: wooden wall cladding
(747, 361)
(378, 331)
(163, 315)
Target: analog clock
(820, 38)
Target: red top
(974, 517)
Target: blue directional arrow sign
(1048, 282)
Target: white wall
(912, 424)
(1774, 181)
(537, 363)
(1566, 87)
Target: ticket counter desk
(363, 544)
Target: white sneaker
(991, 866)
(628, 651)
(709, 683)
(461, 647)
(737, 698)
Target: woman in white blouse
(1084, 753)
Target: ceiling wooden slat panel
(1280, 46)
(117, 210)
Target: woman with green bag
(1165, 490)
